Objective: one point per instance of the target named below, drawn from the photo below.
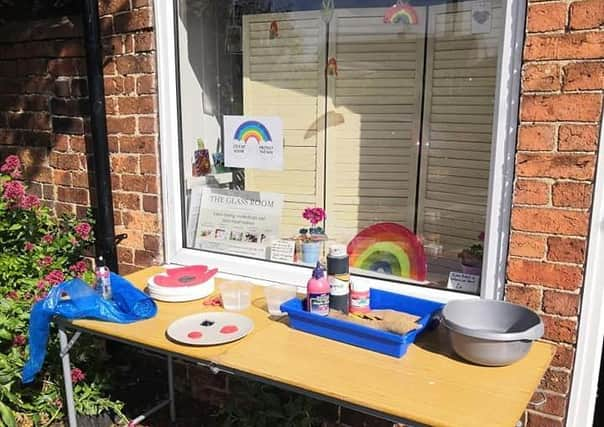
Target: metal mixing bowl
(491, 333)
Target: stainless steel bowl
(491, 333)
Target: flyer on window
(238, 222)
(253, 142)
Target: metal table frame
(66, 343)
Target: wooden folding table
(428, 386)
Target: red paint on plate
(194, 335)
(229, 329)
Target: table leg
(71, 413)
(171, 390)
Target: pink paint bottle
(317, 292)
(359, 298)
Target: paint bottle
(338, 277)
(359, 297)
(317, 292)
(103, 279)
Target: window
(380, 114)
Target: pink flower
(29, 201)
(40, 296)
(19, 340)
(78, 268)
(28, 246)
(314, 215)
(41, 284)
(12, 166)
(12, 295)
(77, 375)
(83, 230)
(45, 261)
(55, 277)
(48, 239)
(58, 403)
(13, 191)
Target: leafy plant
(472, 255)
(38, 252)
(252, 404)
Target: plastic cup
(236, 295)
(277, 295)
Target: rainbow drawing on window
(389, 248)
(250, 130)
(400, 13)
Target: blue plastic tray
(363, 336)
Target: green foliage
(252, 404)
(39, 251)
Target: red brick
(126, 269)
(124, 163)
(117, 125)
(125, 255)
(137, 105)
(140, 3)
(547, 220)
(137, 144)
(143, 221)
(546, 17)
(586, 14)
(72, 195)
(561, 303)
(118, 85)
(145, 84)
(68, 125)
(566, 249)
(564, 357)
(29, 120)
(26, 67)
(108, 7)
(148, 164)
(77, 143)
(65, 161)
(80, 179)
(64, 208)
(584, 76)
(536, 419)
(588, 45)
(531, 192)
(536, 138)
(557, 276)
(559, 330)
(541, 77)
(126, 200)
(578, 107)
(49, 192)
(151, 242)
(109, 67)
(146, 125)
(150, 203)
(79, 88)
(560, 166)
(68, 107)
(572, 194)
(135, 64)
(527, 245)
(113, 45)
(139, 19)
(578, 138)
(61, 177)
(37, 84)
(144, 42)
(139, 183)
(66, 67)
(523, 295)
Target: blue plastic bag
(75, 299)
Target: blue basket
(363, 336)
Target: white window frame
(500, 181)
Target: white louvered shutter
(372, 121)
(458, 118)
(283, 76)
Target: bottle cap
(337, 250)
(318, 271)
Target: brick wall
(43, 118)
(560, 114)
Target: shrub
(39, 251)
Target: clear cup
(236, 295)
(277, 295)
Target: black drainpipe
(105, 232)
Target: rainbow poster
(389, 248)
(253, 142)
(400, 13)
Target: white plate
(210, 325)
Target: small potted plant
(471, 257)
(313, 237)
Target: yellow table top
(429, 385)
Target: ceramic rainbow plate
(389, 248)
(182, 283)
